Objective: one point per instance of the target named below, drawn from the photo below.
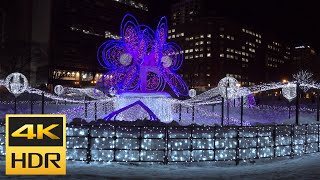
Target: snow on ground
(303, 167)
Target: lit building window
(173, 30)
(201, 42)
(252, 50)
(173, 36)
(221, 55)
(197, 43)
(208, 48)
(191, 38)
(169, 37)
(196, 49)
(201, 49)
(208, 42)
(209, 35)
(208, 75)
(186, 57)
(186, 51)
(208, 54)
(190, 57)
(191, 50)
(182, 34)
(169, 31)
(201, 36)
(187, 39)
(221, 35)
(201, 55)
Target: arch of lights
(209, 97)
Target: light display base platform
(159, 103)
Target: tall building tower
(215, 47)
(303, 56)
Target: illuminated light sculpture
(58, 89)
(289, 91)
(192, 93)
(16, 83)
(141, 61)
(141, 64)
(228, 87)
(304, 78)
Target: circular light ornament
(192, 92)
(166, 61)
(16, 83)
(289, 91)
(58, 89)
(228, 87)
(125, 59)
(112, 91)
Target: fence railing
(165, 144)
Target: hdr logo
(35, 144)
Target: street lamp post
(228, 105)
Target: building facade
(216, 47)
(79, 27)
(57, 41)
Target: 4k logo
(35, 144)
(40, 131)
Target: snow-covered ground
(304, 167)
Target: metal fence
(166, 144)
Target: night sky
(292, 21)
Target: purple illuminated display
(142, 61)
(113, 115)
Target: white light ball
(112, 91)
(166, 61)
(289, 91)
(125, 59)
(192, 92)
(16, 83)
(58, 89)
(228, 87)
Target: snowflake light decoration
(16, 83)
(58, 89)
(304, 77)
(192, 93)
(141, 61)
(228, 87)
